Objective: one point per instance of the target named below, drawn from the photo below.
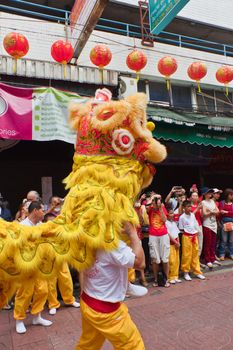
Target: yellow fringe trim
(102, 191)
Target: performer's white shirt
(172, 229)
(107, 279)
(27, 222)
(188, 223)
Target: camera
(157, 200)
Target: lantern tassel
(198, 86)
(64, 70)
(15, 66)
(227, 90)
(101, 70)
(168, 84)
(137, 75)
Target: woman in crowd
(226, 219)
(209, 214)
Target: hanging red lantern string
(136, 60)
(62, 52)
(167, 66)
(16, 45)
(100, 56)
(197, 71)
(224, 75)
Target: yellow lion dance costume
(112, 164)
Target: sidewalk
(196, 315)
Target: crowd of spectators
(187, 232)
(182, 236)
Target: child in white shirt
(189, 226)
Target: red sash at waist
(100, 305)
(193, 237)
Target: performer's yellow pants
(190, 258)
(65, 285)
(116, 326)
(35, 291)
(131, 275)
(174, 263)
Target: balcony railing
(117, 27)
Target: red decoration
(136, 60)
(125, 140)
(100, 56)
(62, 52)
(16, 45)
(197, 71)
(167, 66)
(224, 75)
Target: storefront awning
(193, 128)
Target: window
(223, 102)
(181, 96)
(206, 101)
(158, 92)
(214, 101)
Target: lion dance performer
(113, 160)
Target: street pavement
(196, 315)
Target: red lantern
(197, 71)
(16, 45)
(136, 60)
(62, 52)
(224, 75)
(167, 66)
(100, 56)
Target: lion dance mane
(112, 164)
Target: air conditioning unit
(127, 86)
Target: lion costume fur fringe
(103, 187)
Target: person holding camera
(174, 197)
(55, 204)
(159, 242)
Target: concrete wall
(42, 34)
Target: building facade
(196, 126)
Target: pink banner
(15, 113)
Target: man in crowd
(33, 196)
(4, 211)
(31, 291)
(172, 199)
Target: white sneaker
(136, 291)
(203, 266)
(187, 277)
(201, 277)
(178, 280)
(75, 304)
(53, 311)
(209, 264)
(172, 281)
(20, 328)
(38, 320)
